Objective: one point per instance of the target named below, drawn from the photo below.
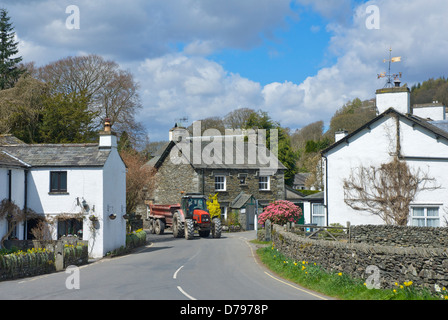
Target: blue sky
(299, 60)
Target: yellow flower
(303, 267)
(295, 263)
(395, 290)
(396, 284)
(401, 287)
(407, 284)
(340, 274)
(446, 298)
(303, 262)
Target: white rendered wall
(375, 147)
(114, 195)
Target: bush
(280, 212)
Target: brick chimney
(108, 139)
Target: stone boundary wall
(402, 236)
(15, 266)
(423, 266)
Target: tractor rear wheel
(189, 229)
(178, 226)
(216, 228)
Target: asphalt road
(167, 269)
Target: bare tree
(386, 191)
(111, 91)
(139, 179)
(14, 216)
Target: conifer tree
(9, 71)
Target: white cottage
(423, 143)
(80, 187)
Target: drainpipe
(25, 205)
(326, 186)
(9, 185)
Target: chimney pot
(107, 125)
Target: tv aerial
(390, 78)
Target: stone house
(417, 136)
(80, 188)
(245, 174)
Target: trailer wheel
(178, 226)
(216, 228)
(189, 229)
(159, 226)
(151, 226)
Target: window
(318, 214)
(58, 181)
(70, 227)
(425, 216)
(263, 183)
(220, 183)
(242, 177)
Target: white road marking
(186, 294)
(297, 288)
(175, 273)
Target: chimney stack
(108, 139)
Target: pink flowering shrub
(280, 212)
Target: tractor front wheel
(189, 229)
(216, 228)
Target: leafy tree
(9, 71)
(67, 119)
(286, 155)
(351, 116)
(21, 109)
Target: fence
(313, 231)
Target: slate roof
(223, 160)
(58, 155)
(8, 161)
(240, 200)
(9, 139)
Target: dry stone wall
(425, 267)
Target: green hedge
(135, 239)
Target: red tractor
(184, 218)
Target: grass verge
(338, 285)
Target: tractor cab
(192, 202)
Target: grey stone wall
(402, 236)
(251, 186)
(171, 179)
(423, 266)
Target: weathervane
(180, 122)
(390, 76)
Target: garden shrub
(280, 212)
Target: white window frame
(222, 185)
(267, 183)
(318, 211)
(425, 217)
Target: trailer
(184, 218)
